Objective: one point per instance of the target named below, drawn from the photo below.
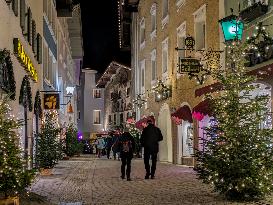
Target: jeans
(147, 156)
(126, 162)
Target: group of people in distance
(125, 144)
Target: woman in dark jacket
(127, 146)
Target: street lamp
(232, 28)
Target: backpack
(126, 146)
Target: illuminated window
(96, 93)
(96, 116)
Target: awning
(183, 113)
(203, 107)
(139, 124)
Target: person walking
(149, 139)
(109, 143)
(100, 145)
(127, 146)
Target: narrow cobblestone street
(95, 181)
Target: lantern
(70, 109)
(232, 28)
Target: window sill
(153, 35)
(165, 21)
(97, 124)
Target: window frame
(153, 72)
(165, 48)
(95, 93)
(153, 21)
(142, 33)
(181, 33)
(99, 117)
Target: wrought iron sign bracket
(192, 66)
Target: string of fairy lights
(119, 23)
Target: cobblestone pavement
(97, 182)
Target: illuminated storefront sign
(24, 59)
(51, 101)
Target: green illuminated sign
(232, 28)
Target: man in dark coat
(126, 146)
(149, 139)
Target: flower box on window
(252, 12)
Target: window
(128, 92)
(45, 61)
(181, 35)
(22, 14)
(153, 66)
(153, 17)
(200, 27)
(121, 118)
(96, 93)
(165, 56)
(115, 119)
(15, 7)
(96, 117)
(142, 33)
(165, 7)
(142, 75)
(110, 118)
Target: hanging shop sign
(19, 51)
(189, 65)
(51, 101)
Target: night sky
(100, 34)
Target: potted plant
(72, 144)
(14, 175)
(48, 150)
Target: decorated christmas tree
(14, 176)
(72, 144)
(49, 149)
(237, 158)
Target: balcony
(254, 11)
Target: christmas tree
(72, 144)
(237, 159)
(14, 176)
(49, 149)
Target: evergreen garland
(25, 97)
(9, 84)
(38, 105)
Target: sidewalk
(95, 181)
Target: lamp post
(232, 28)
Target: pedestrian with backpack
(150, 137)
(127, 146)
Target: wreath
(7, 82)
(25, 97)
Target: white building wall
(10, 29)
(91, 104)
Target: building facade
(159, 27)
(21, 35)
(91, 104)
(116, 82)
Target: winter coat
(124, 139)
(150, 137)
(100, 143)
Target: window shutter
(34, 40)
(22, 14)
(39, 48)
(15, 7)
(29, 26)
